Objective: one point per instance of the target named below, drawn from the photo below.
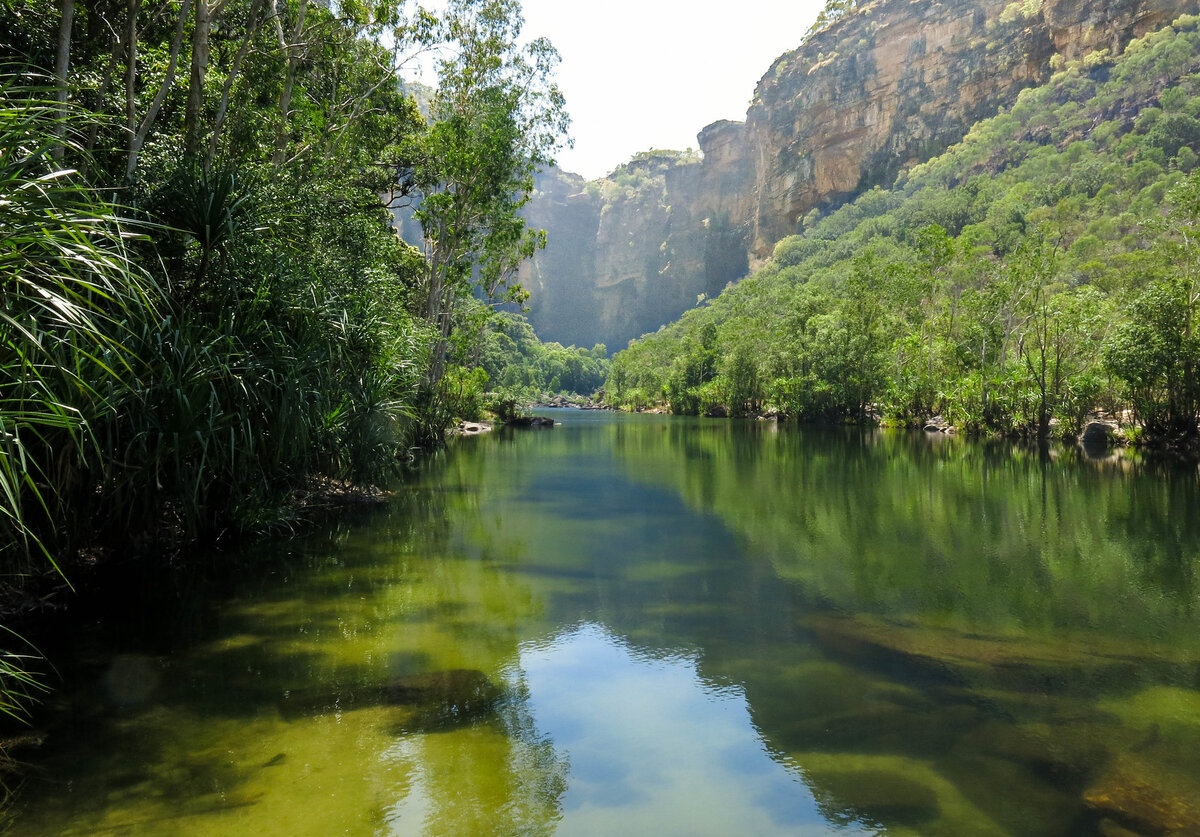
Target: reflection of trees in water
(988, 534)
(498, 777)
(963, 608)
(494, 773)
(916, 623)
(380, 614)
(993, 594)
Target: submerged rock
(437, 699)
(880, 795)
(908, 794)
(1060, 750)
(458, 689)
(1139, 795)
(1047, 664)
(1108, 828)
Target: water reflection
(653, 749)
(751, 630)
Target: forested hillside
(1045, 267)
(873, 89)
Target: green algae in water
(671, 627)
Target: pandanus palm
(65, 289)
(207, 206)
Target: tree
(1157, 352)
(1043, 343)
(1153, 354)
(497, 118)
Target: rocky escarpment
(890, 85)
(899, 81)
(634, 250)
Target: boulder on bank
(472, 428)
(717, 411)
(1097, 434)
(936, 424)
(531, 421)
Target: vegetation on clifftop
(1045, 267)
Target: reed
(67, 292)
(186, 403)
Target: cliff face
(890, 85)
(633, 251)
(560, 278)
(899, 81)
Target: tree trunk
(137, 140)
(131, 33)
(62, 65)
(200, 52)
(252, 23)
(292, 52)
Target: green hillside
(1045, 267)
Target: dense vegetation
(520, 365)
(205, 308)
(1045, 267)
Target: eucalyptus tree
(1156, 352)
(497, 118)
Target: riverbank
(40, 603)
(1099, 430)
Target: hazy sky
(641, 74)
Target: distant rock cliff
(636, 249)
(890, 85)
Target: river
(645, 625)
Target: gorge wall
(890, 85)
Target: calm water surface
(639, 625)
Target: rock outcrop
(899, 81)
(634, 250)
(890, 85)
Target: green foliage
(1044, 267)
(265, 326)
(68, 289)
(833, 11)
(523, 367)
(497, 117)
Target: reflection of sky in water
(652, 750)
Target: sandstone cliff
(901, 80)
(890, 85)
(632, 251)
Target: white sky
(641, 74)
